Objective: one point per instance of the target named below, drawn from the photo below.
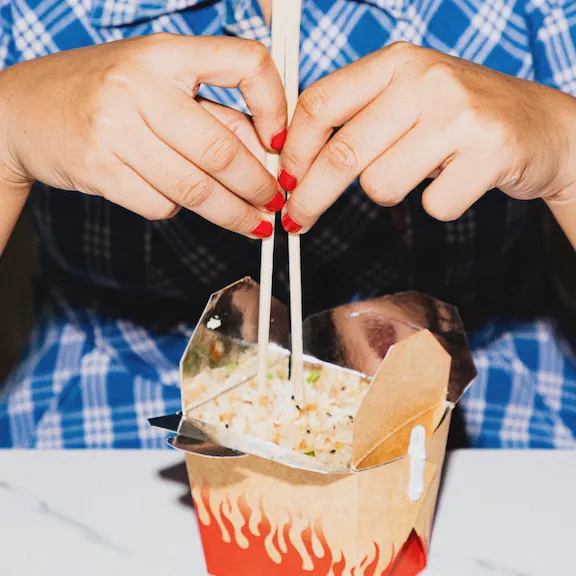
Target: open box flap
(409, 389)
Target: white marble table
(119, 513)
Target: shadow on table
(178, 474)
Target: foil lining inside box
(356, 337)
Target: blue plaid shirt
(91, 376)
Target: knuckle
(91, 161)
(444, 75)
(117, 81)
(164, 212)
(263, 192)
(302, 210)
(481, 127)
(290, 155)
(377, 191)
(158, 39)
(99, 124)
(100, 133)
(151, 52)
(313, 102)
(194, 191)
(342, 154)
(219, 149)
(254, 57)
(234, 120)
(92, 189)
(239, 222)
(442, 211)
(401, 52)
(371, 187)
(400, 48)
(150, 46)
(117, 70)
(468, 118)
(501, 138)
(442, 70)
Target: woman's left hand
(407, 113)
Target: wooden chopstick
(293, 21)
(272, 163)
(286, 20)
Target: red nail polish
(279, 140)
(263, 230)
(287, 181)
(289, 225)
(277, 203)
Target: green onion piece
(314, 377)
(311, 453)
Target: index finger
(355, 147)
(329, 104)
(244, 64)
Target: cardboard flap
(395, 446)
(410, 388)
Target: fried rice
(320, 427)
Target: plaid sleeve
(6, 37)
(553, 39)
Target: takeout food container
(265, 510)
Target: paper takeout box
(265, 510)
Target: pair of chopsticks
(286, 17)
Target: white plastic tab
(417, 455)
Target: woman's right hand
(121, 120)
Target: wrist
(564, 193)
(563, 208)
(13, 178)
(13, 198)
(564, 198)
(14, 187)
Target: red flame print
(411, 559)
(229, 559)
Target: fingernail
(277, 203)
(263, 230)
(289, 225)
(287, 181)
(279, 140)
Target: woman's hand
(406, 113)
(120, 120)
